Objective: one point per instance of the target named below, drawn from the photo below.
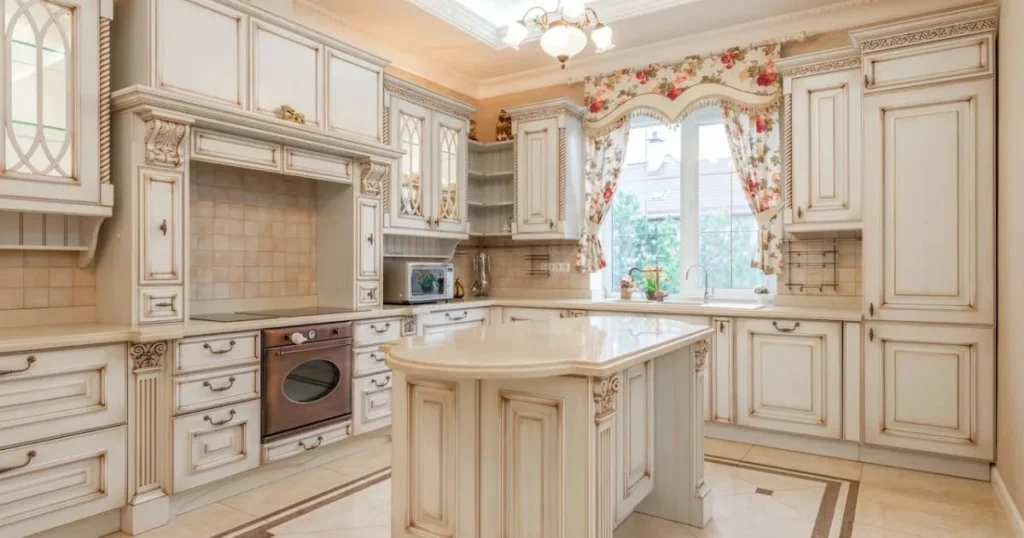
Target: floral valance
(737, 76)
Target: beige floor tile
(860, 530)
(806, 502)
(368, 508)
(285, 492)
(642, 526)
(201, 523)
(928, 514)
(930, 484)
(845, 469)
(725, 449)
(380, 531)
(361, 463)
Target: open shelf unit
(491, 196)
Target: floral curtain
(744, 82)
(754, 140)
(604, 164)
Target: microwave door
(426, 282)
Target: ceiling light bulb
(572, 9)
(602, 37)
(515, 33)
(563, 41)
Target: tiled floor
(759, 493)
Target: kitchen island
(559, 428)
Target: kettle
(482, 268)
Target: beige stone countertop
(19, 339)
(596, 346)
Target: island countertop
(596, 347)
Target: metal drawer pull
(376, 357)
(721, 326)
(30, 360)
(29, 457)
(381, 385)
(231, 345)
(871, 335)
(231, 416)
(464, 315)
(381, 331)
(231, 383)
(513, 318)
(319, 441)
(796, 325)
(164, 305)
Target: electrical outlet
(544, 266)
(560, 268)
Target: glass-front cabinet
(51, 105)
(427, 194)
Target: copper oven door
(306, 384)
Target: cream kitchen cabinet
(634, 453)
(427, 191)
(513, 314)
(162, 216)
(287, 71)
(789, 376)
(355, 95)
(548, 169)
(823, 93)
(453, 320)
(930, 388)
(720, 377)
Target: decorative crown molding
(546, 109)
(147, 355)
(427, 98)
(961, 22)
(701, 351)
(372, 176)
(819, 62)
(605, 390)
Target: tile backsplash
(40, 279)
(802, 265)
(509, 268)
(253, 234)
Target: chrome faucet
(707, 295)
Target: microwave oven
(411, 282)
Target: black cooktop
(297, 312)
(228, 317)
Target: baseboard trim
(1012, 513)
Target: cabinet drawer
(219, 351)
(367, 293)
(64, 480)
(211, 389)
(160, 304)
(215, 444)
(948, 60)
(317, 166)
(369, 360)
(454, 316)
(372, 405)
(305, 442)
(378, 331)
(162, 228)
(53, 393)
(226, 149)
(452, 327)
(513, 315)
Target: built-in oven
(307, 377)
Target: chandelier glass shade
(563, 30)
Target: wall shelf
(50, 232)
(491, 189)
(482, 205)
(491, 175)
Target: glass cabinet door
(448, 177)
(410, 136)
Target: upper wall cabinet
(823, 94)
(426, 195)
(287, 74)
(351, 80)
(548, 169)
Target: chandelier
(563, 30)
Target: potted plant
(651, 288)
(626, 287)
(763, 295)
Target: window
(680, 203)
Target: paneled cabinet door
(720, 372)
(789, 376)
(162, 226)
(537, 176)
(369, 239)
(634, 466)
(287, 70)
(209, 59)
(355, 96)
(928, 225)
(826, 166)
(50, 147)
(410, 195)
(930, 389)
(449, 172)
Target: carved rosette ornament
(605, 390)
(408, 325)
(372, 177)
(701, 350)
(146, 355)
(163, 142)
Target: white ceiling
(456, 43)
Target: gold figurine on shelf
(503, 130)
(290, 114)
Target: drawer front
(372, 409)
(515, 315)
(215, 444)
(454, 316)
(226, 149)
(305, 442)
(61, 481)
(944, 61)
(162, 228)
(367, 293)
(452, 327)
(53, 393)
(378, 331)
(161, 304)
(212, 389)
(369, 360)
(220, 351)
(317, 166)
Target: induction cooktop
(297, 312)
(228, 317)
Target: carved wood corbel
(372, 177)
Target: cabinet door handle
(464, 315)
(231, 383)
(231, 416)
(319, 441)
(379, 385)
(551, 224)
(513, 318)
(30, 361)
(871, 335)
(163, 227)
(381, 331)
(28, 459)
(871, 309)
(799, 213)
(796, 325)
(231, 345)
(370, 239)
(721, 326)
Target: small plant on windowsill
(764, 295)
(626, 287)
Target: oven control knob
(297, 338)
(311, 334)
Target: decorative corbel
(372, 176)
